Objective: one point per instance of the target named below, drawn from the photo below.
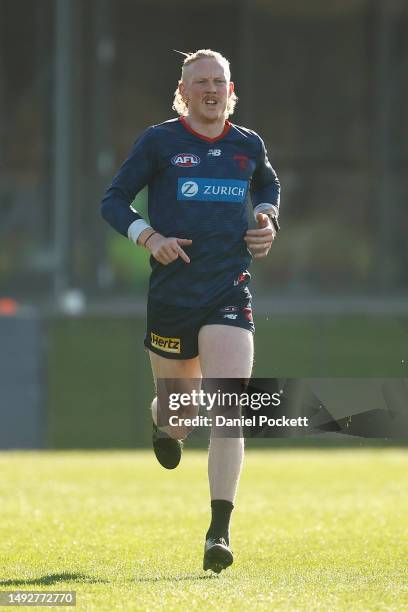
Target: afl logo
(189, 189)
(185, 160)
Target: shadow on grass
(175, 578)
(52, 579)
(84, 578)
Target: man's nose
(211, 87)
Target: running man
(199, 169)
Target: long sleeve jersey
(197, 189)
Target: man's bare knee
(172, 422)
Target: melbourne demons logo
(185, 160)
(242, 161)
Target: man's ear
(231, 87)
(182, 90)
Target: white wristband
(264, 207)
(136, 228)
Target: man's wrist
(274, 221)
(271, 210)
(147, 239)
(136, 228)
(151, 239)
(144, 235)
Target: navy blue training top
(197, 189)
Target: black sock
(220, 519)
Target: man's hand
(259, 241)
(166, 250)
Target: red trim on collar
(226, 129)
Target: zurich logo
(211, 190)
(185, 160)
(189, 189)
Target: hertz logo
(170, 345)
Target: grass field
(313, 530)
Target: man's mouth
(210, 102)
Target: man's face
(207, 89)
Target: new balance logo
(214, 152)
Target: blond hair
(179, 104)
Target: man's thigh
(225, 351)
(174, 368)
(173, 377)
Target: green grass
(312, 530)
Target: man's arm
(136, 172)
(265, 196)
(265, 188)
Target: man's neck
(208, 129)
